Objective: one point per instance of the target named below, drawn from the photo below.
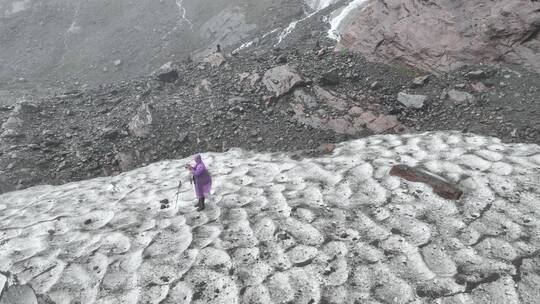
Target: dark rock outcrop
(439, 36)
(440, 186)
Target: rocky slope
(284, 90)
(332, 229)
(263, 100)
(440, 36)
(49, 45)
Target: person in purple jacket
(201, 179)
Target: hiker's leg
(201, 202)
(200, 205)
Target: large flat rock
(281, 80)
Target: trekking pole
(178, 192)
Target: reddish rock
(330, 98)
(445, 35)
(340, 125)
(382, 124)
(367, 117)
(439, 185)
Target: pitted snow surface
(334, 229)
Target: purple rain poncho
(201, 178)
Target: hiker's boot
(200, 205)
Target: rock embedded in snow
(281, 80)
(440, 186)
(412, 101)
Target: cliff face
(98, 41)
(443, 35)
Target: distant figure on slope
(201, 179)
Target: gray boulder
(476, 75)
(412, 101)
(110, 133)
(126, 161)
(420, 81)
(215, 60)
(281, 80)
(459, 96)
(11, 127)
(141, 123)
(330, 78)
(166, 73)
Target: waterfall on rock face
(337, 21)
(182, 10)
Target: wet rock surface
(440, 186)
(440, 36)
